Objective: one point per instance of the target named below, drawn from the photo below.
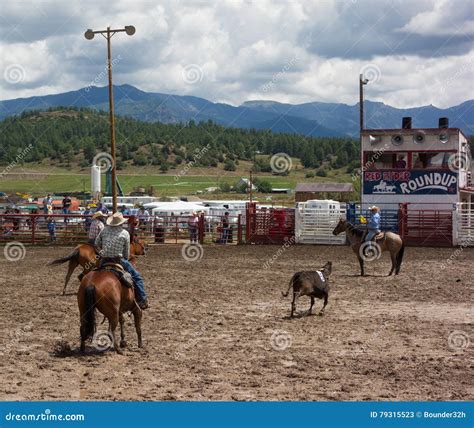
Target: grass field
(38, 181)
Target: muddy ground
(218, 329)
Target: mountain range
(312, 119)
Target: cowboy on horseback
(373, 225)
(96, 226)
(114, 242)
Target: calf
(310, 283)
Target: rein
(352, 229)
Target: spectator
(96, 226)
(159, 228)
(7, 229)
(47, 204)
(66, 207)
(400, 163)
(52, 229)
(102, 208)
(16, 220)
(225, 228)
(193, 222)
(88, 220)
(143, 217)
(124, 210)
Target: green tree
(229, 165)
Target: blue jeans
(137, 280)
(225, 235)
(370, 236)
(193, 231)
(66, 211)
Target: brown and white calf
(310, 283)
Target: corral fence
(464, 223)
(427, 227)
(315, 225)
(176, 229)
(269, 225)
(390, 217)
(452, 225)
(71, 229)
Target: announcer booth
(425, 173)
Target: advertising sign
(394, 182)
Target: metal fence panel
(315, 226)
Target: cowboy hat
(374, 207)
(116, 219)
(98, 214)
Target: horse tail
(88, 317)
(289, 288)
(400, 258)
(73, 255)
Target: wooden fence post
(239, 229)
(201, 231)
(33, 229)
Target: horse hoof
(119, 351)
(123, 344)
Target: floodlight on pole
(89, 35)
(130, 30)
(362, 81)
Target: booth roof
(324, 187)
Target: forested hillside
(68, 136)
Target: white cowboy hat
(374, 207)
(116, 219)
(98, 214)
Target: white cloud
(446, 17)
(296, 51)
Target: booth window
(401, 161)
(430, 160)
(375, 160)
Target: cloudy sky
(415, 52)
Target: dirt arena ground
(218, 330)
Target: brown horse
(389, 242)
(103, 291)
(86, 256)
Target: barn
(309, 191)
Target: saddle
(114, 266)
(379, 237)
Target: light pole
(362, 82)
(89, 35)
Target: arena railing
(74, 228)
(464, 225)
(175, 229)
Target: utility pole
(362, 82)
(251, 186)
(108, 33)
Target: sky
(414, 53)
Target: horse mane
(355, 230)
